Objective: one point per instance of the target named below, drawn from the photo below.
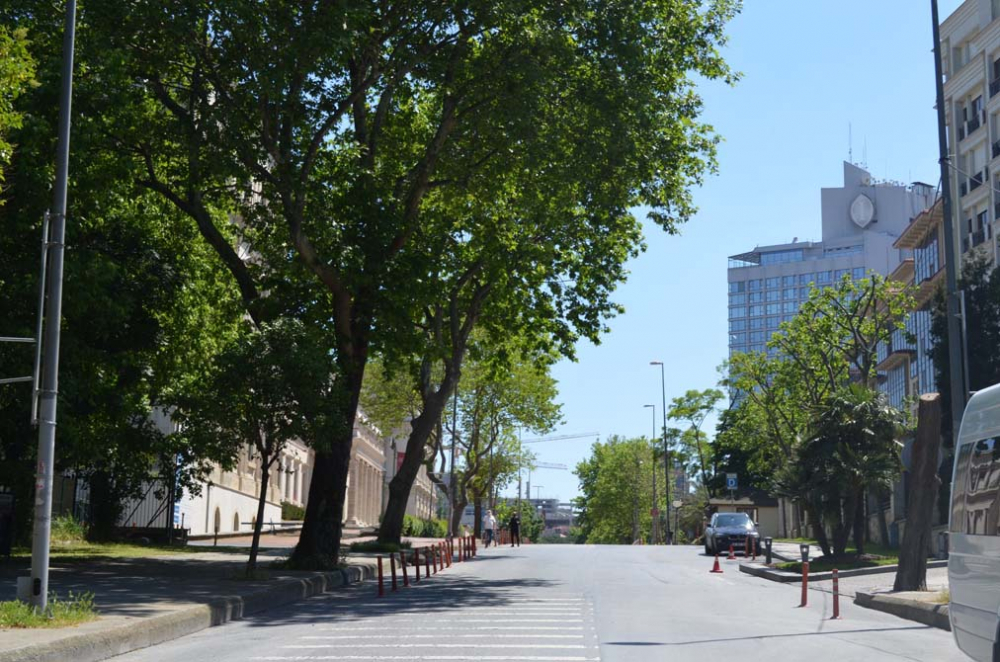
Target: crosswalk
(438, 627)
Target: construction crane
(561, 437)
(545, 465)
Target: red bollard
(402, 564)
(427, 564)
(416, 566)
(753, 543)
(836, 597)
(732, 554)
(434, 557)
(445, 554)
(392, 565)
(805, 583)
(473, 545)
(381, 585)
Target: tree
(832, 342)
(532, 523)
(980, 284)
(143, 305)
(17, 70)
(359, 129)
(694, 407)
(616, 491)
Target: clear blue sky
(809, 69)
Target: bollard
(732, 554)
(836, 597)
(447, 556)
(381, 584)
(402, 564)
(416, 566)
(473, 545)
(434, 558)
(767, 550)
(746, 547)
(392, 566)
(753, 548)
(427, 563)
(805, 583)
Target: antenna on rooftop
(850, 143)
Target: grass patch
(942, 597)
(59, 613)
(89, 550)
(823, 564)
(376, 546)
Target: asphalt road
(568, 604)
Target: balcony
(971, 126)
(996, 149)
(974, 182)
(995, 88)
(963, 189)
(996, 210)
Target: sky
(810, 71)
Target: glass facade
(926, 259)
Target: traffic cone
(716, 567)
(732, 554)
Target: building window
(773, 308)
(737, 299)
(756, 311)
(805, 279)
(773, 283)
(858, 273)
(773, 322)
(790, 307)
(781, 257)
(788, 281)
(738, 338)
(756, 323)
(773, 295)
(840, 273)
(804, 292)
(737, 287)
(738, 325)
(823, 277)
(791, 293)
(787, 318)
(757, 336)
(737, 311)
(753, 284)
(756, 297)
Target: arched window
(236, 521)
(218, 520)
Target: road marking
(566, 646)
(462, 621)
(435, 636)
(442, 658)
(519, 628)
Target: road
(568, 604)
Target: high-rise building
(970, 53)
(861, 220)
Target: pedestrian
(515, 529)
(489, 526)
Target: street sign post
(731, 482)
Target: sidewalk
(144, 601)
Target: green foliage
(694, 407)
(532, 523)
(77, 608)
(415, 527)
(616, 491)
(17, 70)
(793, 425)
(66, 530)
(292, 512)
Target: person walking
(515, 529)
(489, 526)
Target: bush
(291, 512)
(66, 530)
(424, 528)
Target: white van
(974, 561)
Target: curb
(786, 576)
(142, 633)
(935, 615)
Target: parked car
(730, 529)
(974, 530)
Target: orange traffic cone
(732, 554)
(716, 567)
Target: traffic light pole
(49, 387)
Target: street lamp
(655, 513)
(666, 451)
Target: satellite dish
(862, 210)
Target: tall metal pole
(654, 529)
(956, 341)
(53, 316)
(666, 449)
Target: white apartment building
(970, 49)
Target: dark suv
(727, 529)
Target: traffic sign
(731, 482)
(655, 512)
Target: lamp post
(666, 451)
(656, 514)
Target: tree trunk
(391, 529)
(456, 516)
(819, 533)
(322, 527)
(858, 518)
(265, 478)
(924, 483)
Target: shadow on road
(722, 640)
